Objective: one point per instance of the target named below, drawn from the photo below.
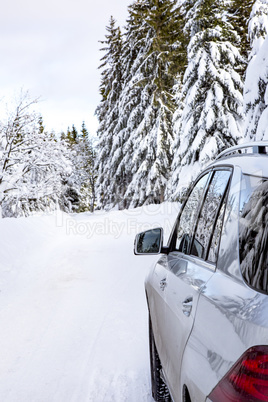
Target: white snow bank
(72, 306)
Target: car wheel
(160, 391)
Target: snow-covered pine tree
(108, 115)
(258, 26)
(86, 172)
(72, 135)
(212, 117)
(80, 187)
(179, 102)
(130, 102)
(71, 195)
(256, 95)
(152, 57)
(255, 91)
(238, 14)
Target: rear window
(253, 230)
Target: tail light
(247, 380)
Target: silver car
(208, 293)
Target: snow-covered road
(72, 307)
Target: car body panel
(228, 258)
(249, 164)
(207, 316)
(156, 297)
(186, 279)
(231, 314)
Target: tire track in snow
(119, 386)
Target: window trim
(173, 236)
(225, 194)
(210, 171)
(205, 263)
(224, 197)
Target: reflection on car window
(209, 213)
(187, 219)
(253, 232)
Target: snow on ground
(72, 306)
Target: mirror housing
(149, 242)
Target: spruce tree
(85, 166)
(255, 101)
(71, 135)
(239, 14)
(80, 190)
(129, 102)
(108, 114)
(212, 90)
(257, 26)
(179, 102)
(152, 55)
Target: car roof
(255, 165)
(252, 158)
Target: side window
(210, 210)
(188, 216)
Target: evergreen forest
(177, 89)
(180, 82)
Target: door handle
(163, 284)
(187, 306)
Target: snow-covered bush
(33, 164)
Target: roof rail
(260, 147)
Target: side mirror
(149, 242)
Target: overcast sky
(51, 49)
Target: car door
(190, 268)
(156, 283)
(167, 263)
(156, 294)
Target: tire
(160, 391)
